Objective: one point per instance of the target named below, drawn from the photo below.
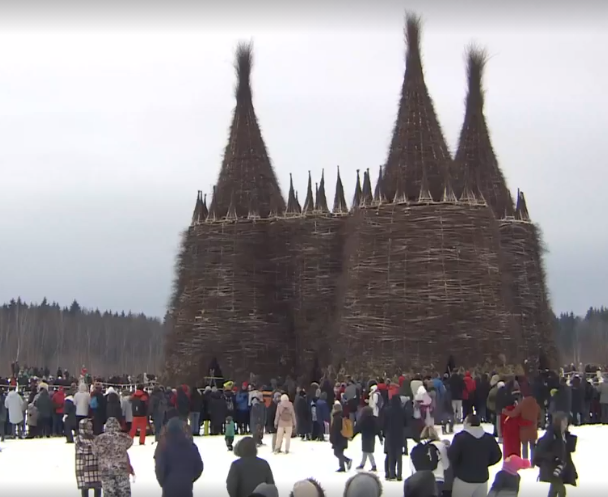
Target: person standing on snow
(139, 401)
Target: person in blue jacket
(178, 463)
(242, 409)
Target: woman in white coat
(14, 404)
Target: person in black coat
(578, 400)
(217, 411)
(394, 438)
(247, 472)
(367, 426)
(178, 463)
(338, 442)
(457, 388)
(70, 423)
(303, 415)
(553, 456)
(471, 453)
(196, 406)
(113, 406)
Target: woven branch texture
(422, 282)
(522, 248)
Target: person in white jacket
(429, 436)
(82, 401)
(15, 406)
(375, 400)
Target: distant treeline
(48, 335)
(583, 339)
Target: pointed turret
(448, 191)
(309, 202)
(367, 196)
(321, 200)
(340, 206)
(467, 196)
(246, 167)
(357, 196)
(232, 215)
(292, 203)
(212, 216)
(425, 195)
(521, 210)
(298, 206)
(204, 209)
(198, 209)
(379, 191)
(475, 154)
(417, 144)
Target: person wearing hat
(307, 488)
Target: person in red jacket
(511, 441)
(139, 403)
(468, 394)
(58, 399)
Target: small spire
(212, 216)
(367, 196)
(231, 214)
(448, 192)
(378, 192)
(521, 211)
(400, 196)
(253, 212)
(321, 204)
(204, 209)
(298, 206)
(196, 214)
(309, 203)
(357, 195)
(316, 193)
(467, 192)
(340, 206)
(425, 195)
(292, 203)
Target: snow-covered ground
(46, 467)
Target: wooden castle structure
(433, 260)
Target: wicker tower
(422, 267)
(230, 306)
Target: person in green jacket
(229, 432)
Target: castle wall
(314, 243)
(422, 282)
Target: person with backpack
(472, 452)
(139, 402)
(339, 436)
(285, 423)
(431, 454)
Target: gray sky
(111, 120)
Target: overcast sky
(111, 120)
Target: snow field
(45, 467)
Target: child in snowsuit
(506, 481)
(229, 430)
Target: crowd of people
(103, 421)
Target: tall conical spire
(246, 167)
(367, 196)
(418, 144)
(292, 203)
(321, 200)
(309, 202)
(357, 195)
(197, 216)
(340, 206)
(475, 155)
